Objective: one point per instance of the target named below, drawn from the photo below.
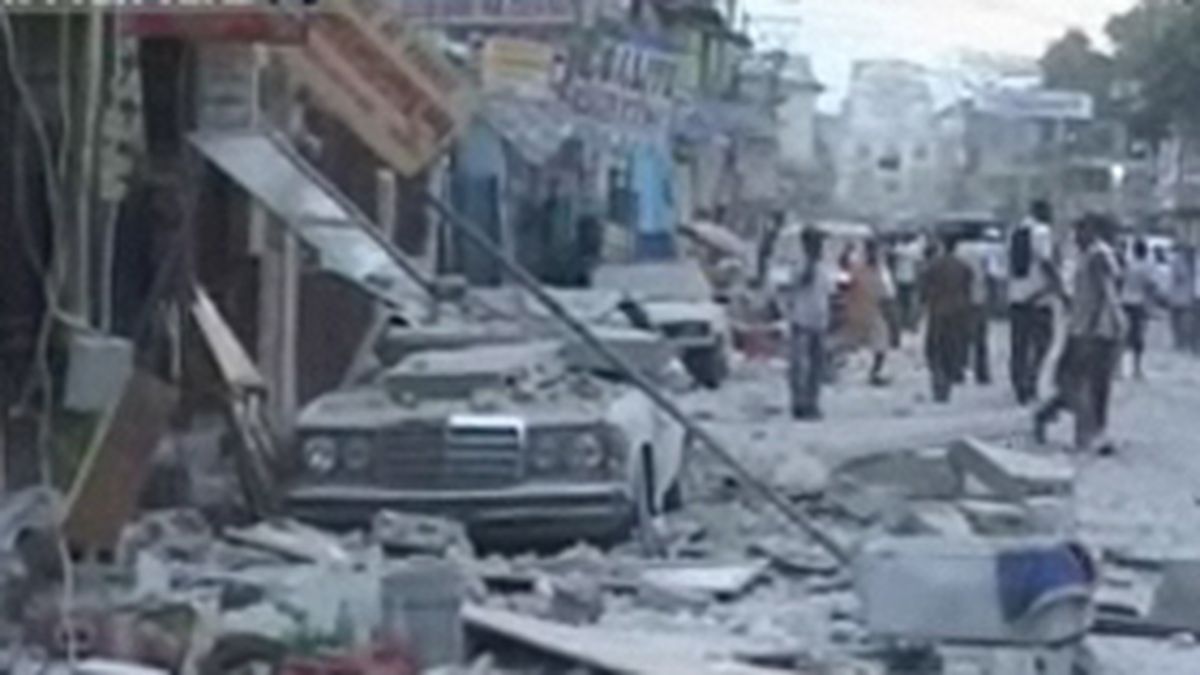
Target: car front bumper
(532, 512)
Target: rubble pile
(721, 586)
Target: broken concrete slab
(1177, 598)
(932, 518)
(575, 600)
(790, 556)
(997, 518)
(1012, 474)
(292, 540)
(863, 502)
(921, 474)
(611, 650)
(717, 579)
(106, 667)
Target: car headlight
(572, 453)
(320, 454)
(356, 454)
(587, 452)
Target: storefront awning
(536, 128)
(345, 243)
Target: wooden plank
(106, 489)
(608, 649)
(235, 365)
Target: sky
(835, 33)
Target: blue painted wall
(651, 180)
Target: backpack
(1020, 254)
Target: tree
(1073, 64)
(1158, 57)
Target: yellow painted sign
(518, 65)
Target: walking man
(808, 303)
(1139, 291)
(1033, 284)
(946, 292)
(1095, 327)
(1181, 298)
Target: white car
(678, 301)
(517, 441)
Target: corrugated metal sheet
(269, 169)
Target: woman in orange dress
(865, 325)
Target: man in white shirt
(808, 307)
(1139, 290)
(975, 254)
(1033, 283)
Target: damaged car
(518, 441)
(678, 302)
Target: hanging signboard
(623, 82)
(522, 66)
(399, 97)
(485, 13)
(1046, 104)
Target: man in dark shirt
(946, 292)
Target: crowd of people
(1099, 295)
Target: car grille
(455, 456)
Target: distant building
(887, 160)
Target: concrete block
(924, 474)
(997, 519)
(1012, 474)
(1177, 598)
(936, 518)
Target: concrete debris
(720, 580)
(1177, 598)
(292, 540)
(574, 600)
(31, 509)
(410, 533)
(789, 556)
(932, 518)
(609, 649)
(105, 667)
(171, 535)
(1012, 474)
(926, 474)
(998, 518)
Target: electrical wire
(52, 286)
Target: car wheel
(707, 365)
